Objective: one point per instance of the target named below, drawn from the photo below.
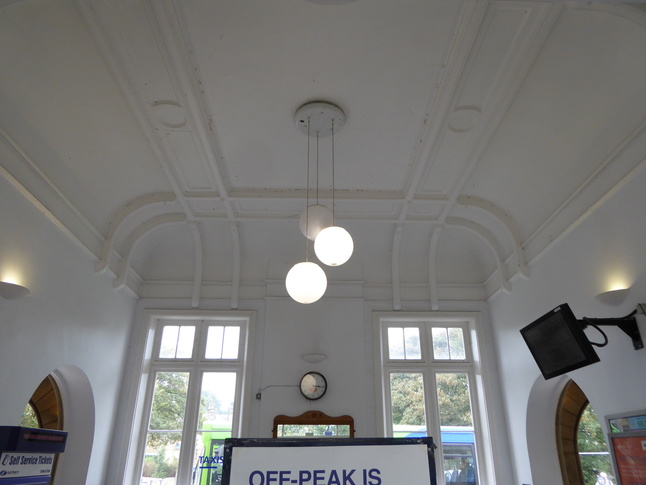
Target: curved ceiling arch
(490, 240)
(118, 221)
(135, 237)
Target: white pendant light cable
(333, 245)
(306, 282)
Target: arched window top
(44, 409)
(582, 449)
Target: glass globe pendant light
(313, 220)
(306, 281)
(333, 245)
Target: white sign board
(17, 464)
(384, 464)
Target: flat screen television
(558, 343)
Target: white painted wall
(334, 327)
(607, 245)
(72, 317)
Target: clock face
(313, 385)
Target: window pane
(454, 400)
(440, 344)
(214, 341)
(185, 342)
(161, 458)
(177, 342)
(216, 400)
(222, 342)
(456, 423)
(169, 342)
(169, 401)
(407, 402)
(460, 462)
(412, 348)
(448, 343)
(231, 342)
(164, 437)
(456, 344)
(207, 461)
(396, 343)
(593, 452)
(403, 343)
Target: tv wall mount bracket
(627, 324)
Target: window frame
(429, 367)
(196, 366)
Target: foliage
(590, 439)
(159, 467)
(453, 400)
(407, 394)
(29, 418)
(314, 429)
(448, 343)
(150, 466)
(169, 403)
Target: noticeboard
(627, 439)
(343, 461)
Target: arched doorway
(66, 388)
(78, 399)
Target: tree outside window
(593, 451)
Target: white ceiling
(160, 133)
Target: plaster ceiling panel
(166, 254)
(414, 253)
(59, 103)
(259, 61)
(218, 245)
(280, 208)
(462, 258)
(346, 208)
(491, 222)
(207, 207)
(128, 228)
(382, 209)
(373, 243)
(271, 248)
(189, 163)
(505, 32)
(450, 157)
(427, 210)
(581, 102)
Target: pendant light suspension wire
(307, 197)
(333, 199)
(317, 168)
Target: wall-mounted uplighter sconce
(11, 291)
(613, 297)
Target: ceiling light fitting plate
(319, 116)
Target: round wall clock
(313, 385)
